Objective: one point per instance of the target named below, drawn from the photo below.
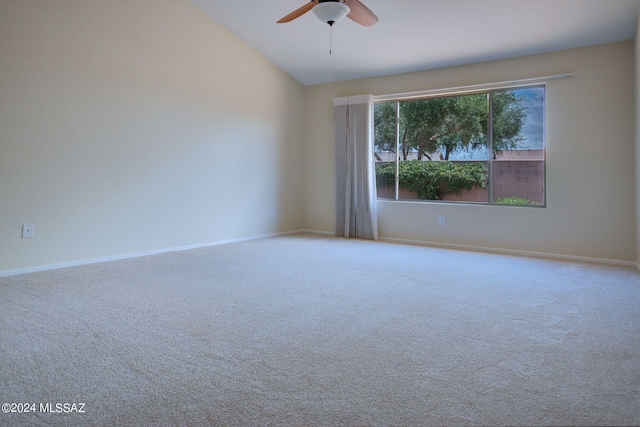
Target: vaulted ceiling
(414, 35)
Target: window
(483, 147)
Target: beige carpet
(319, 331)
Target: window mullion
(397, 177)
(490, 149)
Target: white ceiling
(415, 35)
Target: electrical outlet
(272, 213)
(27, 231)
(442, 220)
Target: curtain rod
(470, 88)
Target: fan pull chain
(330, 37)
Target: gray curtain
(355, 174)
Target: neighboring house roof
(511, 155)
(389, 156)
(521, 155)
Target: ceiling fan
(332, 11)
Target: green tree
(509, 115)
(449, 125)
(384, 117)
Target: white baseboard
(323, 233)
(512, 252)
(494, 250)
(136, 254)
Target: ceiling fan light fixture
(331, 12)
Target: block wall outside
(511, 178)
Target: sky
(533, 130)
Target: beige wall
(590, 163)
(135, 126)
